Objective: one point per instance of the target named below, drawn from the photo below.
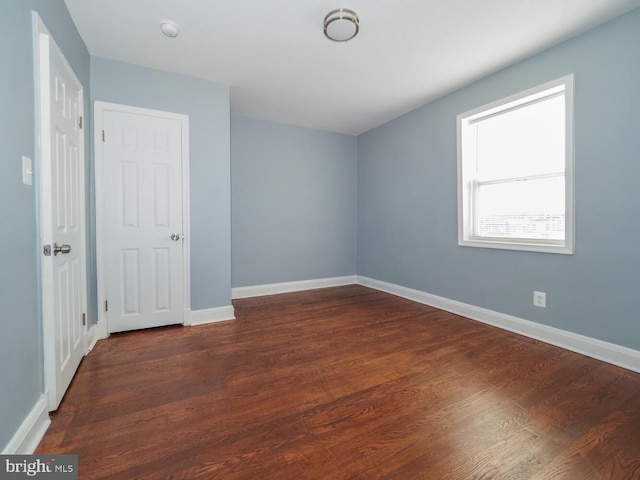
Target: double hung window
(515, 171)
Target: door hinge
(80, 123)
(84, 319)
(106, 305)
(103, 135)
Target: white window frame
(465, 190)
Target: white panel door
(63, 226)
(142, 220)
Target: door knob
(64, 249)
(175, 237)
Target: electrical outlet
(540, 299)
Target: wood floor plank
(345, 383)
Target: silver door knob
(64, 249)
(175, 237)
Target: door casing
(99, 109)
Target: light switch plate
(27, 171)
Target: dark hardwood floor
(345, 383)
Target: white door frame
(43, 156)
(98, 121)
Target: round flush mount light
(341, 25)
(169, 29)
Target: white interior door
(63, 221)
(142, 224)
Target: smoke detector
(169, 29)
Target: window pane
(522, 142)
(532, 208)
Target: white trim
(211, 315)
(92, 338)
(286, 287)
(101, 329)
(95, 333)
(99, 109)
(607, 352)
(31, 430)
(188, 317)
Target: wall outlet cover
(540, 299)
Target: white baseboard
(287, 287)
(92, 338)
(101, 329)
(187, 317)
(211, 315)
(33, 427)
(607, 352)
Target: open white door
(140, 155)
(62, 217)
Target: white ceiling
(280, 66)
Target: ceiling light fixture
(169, 29)
(341, 25)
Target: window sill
(520, 245)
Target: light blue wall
(207, 105)
(296, 193)
(407, 196)
(294, 203)
(21, 376)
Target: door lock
(175, 237)
(64, 249)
